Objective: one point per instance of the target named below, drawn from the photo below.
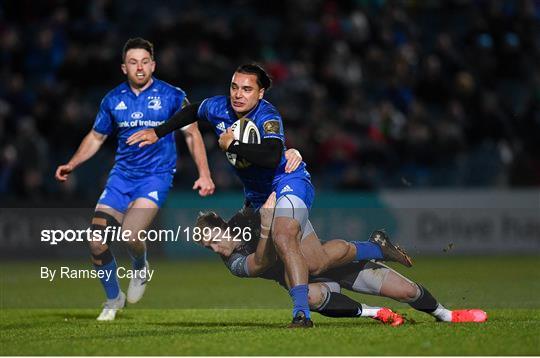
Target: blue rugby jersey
(258, 182)
(128, 113)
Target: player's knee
(409, 292)
(136, 246)
(290, 229)
(350, 250)
(342, 250)
(284, 236)
(102, 258)
(97, 247)
(283, 241)
(100, 222)
(104, 219)
(413, 292)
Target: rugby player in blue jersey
(141, 177)
(267, 172)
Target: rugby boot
(300, 321)
(387, 316)
(111, 307)
(473, 315)
(137, 284)
(390, 251)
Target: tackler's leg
(378, 279)
(326, 299)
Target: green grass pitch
(198, 308)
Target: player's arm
(88, 147)
(265, 255)
(180, 119)
(197, 150)
(267, 154)
(252, 265)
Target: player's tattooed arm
(88, 147)
(265, 255)
(182, 118)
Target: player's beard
(139, 82)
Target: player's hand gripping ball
(245, 131)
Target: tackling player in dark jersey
(245, 259)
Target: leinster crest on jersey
(155, 103)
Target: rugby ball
(245, 131)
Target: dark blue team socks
(299, 296)
(111, 286)
(366, 250)
(139, 261)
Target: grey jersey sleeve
(237, 264)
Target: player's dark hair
(210, 219)
(137, 42)
(263, 80)
(246, 218)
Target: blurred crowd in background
(375, 94)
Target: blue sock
(139, 261)
(299, 296)
(366, 250)
(111, 286)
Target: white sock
(368, 311)
(442, 313)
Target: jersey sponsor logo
(286, 189)
(137, 115)
(271, 127)
(120, 106)
(138, 123)
(221, 126)
(155, 103)
(154, 195)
